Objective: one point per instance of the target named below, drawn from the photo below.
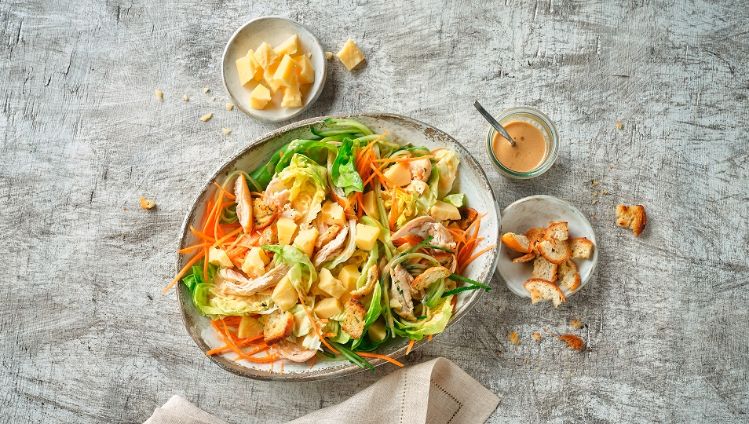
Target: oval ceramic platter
(471, 180)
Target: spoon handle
(493, 122)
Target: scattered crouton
(207, 117)
(537, 336)
(185, 98)
(328, 55)
(581, 247)
(146, 204)
(576, 323)
(226, 131)
(618, 124)
(159, 95)
(230, 107)
(278, 325)
(544, 269)
(516, 242)
(632, 217)
(353, 323)
(514, 338)
(573, 342)
(534, 235)
(557, 230)
(555, 251)
(542, 290)
(569, 277)
(206, 90)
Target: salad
(339, 243)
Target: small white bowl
(273, 30)
(538, 211)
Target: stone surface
(86, 336)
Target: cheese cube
(259, 97)
(398, 174)
(329, 284)
(376, 331)
(268, 79)
(255, 262)
(292, 97)
(286, 228)
(370, 205)
(305, 240)
(249, 328)
(219, 257)
(305, 70)
(366, 236)
(265, 56)
(328, 307)
(290, 46)
(248, 68)
(284, 295)
(332, 213)
(350, 55)
(443, 211)
(348, 276)
(286, 72)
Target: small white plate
(274, 30)
(538, 211)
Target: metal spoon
(493, 122)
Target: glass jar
(538, 120)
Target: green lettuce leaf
(307, 185)
(434, 323)
(344, 171)
(313, 149)
(458, 199)
(210, 303)
(302, 273)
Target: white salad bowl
(539, 211)
(273, 30)
(471, 180)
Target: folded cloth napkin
(433, 392)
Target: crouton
(534, 235)
(581, 248)
(542, 290)
(569, 278)
(278, 326)
(555, 251)
(353, 323)
(557, 230)
(516, 242)
(574, 342)
(525, 258)
(544, 269)
(632, 217)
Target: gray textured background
(85, 335)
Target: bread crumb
(632, 217)
(230, 106)
(594, 201)
(537, 336)
(206, 90)
(159, 94)
(226, 131)
(576, 323)
(594, 182)
(185, 98)
(207, 117)
(618, 124)
(328, 55)
(514, 338)
(146, 204)
(573, 342)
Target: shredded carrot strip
(378, 356)
(383, 179)
(193, 247)
(429, 338)
(234, 348)
(476, 255)
(410, 346)
(223, 239)
(201, 235)
(402, 159)
(182, 272)
(205, 264)
(226, 193)
(239, 343)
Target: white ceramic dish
(273, 30)
(471, 180)
(538, 211)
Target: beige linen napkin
(433, 392)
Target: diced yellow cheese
(328, 307)
(366, 236)
(329, 284)
(249, 328)
(370, 205)
(305, 240)
(348, 276)
(376, 331)
(286, 72)
(398, 174)
(292, 97)
(350, 55)
(265, 56)
(284, 295)
(332, 213)
(443, 211)
(254, 262)
(259, 97)
(247, 69)
(305, 70)
(268, 79)
(219, 257)
(286, 228)
(290, 46)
